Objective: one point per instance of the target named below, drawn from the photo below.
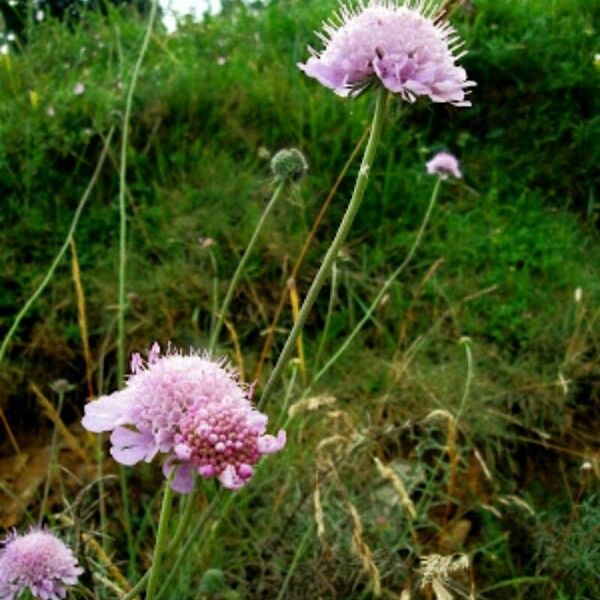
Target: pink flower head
(444, 165)
(190, 408)
(400, 45)
(39, 561)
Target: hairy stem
(333, 251)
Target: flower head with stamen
(400, 45)
(193, 410)
(39, 562)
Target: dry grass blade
(437, 571)
(114, 571)
(389, 474)
(363, 551)
(311, 404)
(319, 515)
(50, 412)
(235, 340)
(82, 318)
(295, 302)
(10, 434)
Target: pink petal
(183, 482)
(230, 479)
(268, 444)
(130, 447)
(106, 412)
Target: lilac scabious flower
(37, 561)
(193, 410)
(444, 165)
(401, 45)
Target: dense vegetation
(502, 465)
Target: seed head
(289, 164)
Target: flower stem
(184, 551)
(161, 538)
(50, 273)
(242, 264)
(123, 259)
(340, 237)
(386, 286)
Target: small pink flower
(191, 409)
(37, 561)
(78, 88)
(444, 165)
(400, 45)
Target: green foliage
(505, 252)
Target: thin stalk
(161, 539)
(469, 379)
(386, 286)
(184, 552)
(340, 237)
(122, 196)
(294, 564)
(300, 260)
(174, 545)
(123, 260)
(332, 296)
(51, 458)
(242, 264)
(78, 211)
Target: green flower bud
(289, 164)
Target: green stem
(122, 194)
(184, 551)
(386, 286)
(161, 539)
(340, 237)
(174, 544)
(123, 260)
(84, 198)
(242, 264)
(332, 297)
(295, 560)
(469, 379)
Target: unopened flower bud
(289, 164)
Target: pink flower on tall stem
(193, 410)
(39, 562)
(400, 45)
(444, 165)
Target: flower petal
(107, 412)
(230, 479)
(130, 447)
(268, 444)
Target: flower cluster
(38, 562)
(190, 408)
(401, 45)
